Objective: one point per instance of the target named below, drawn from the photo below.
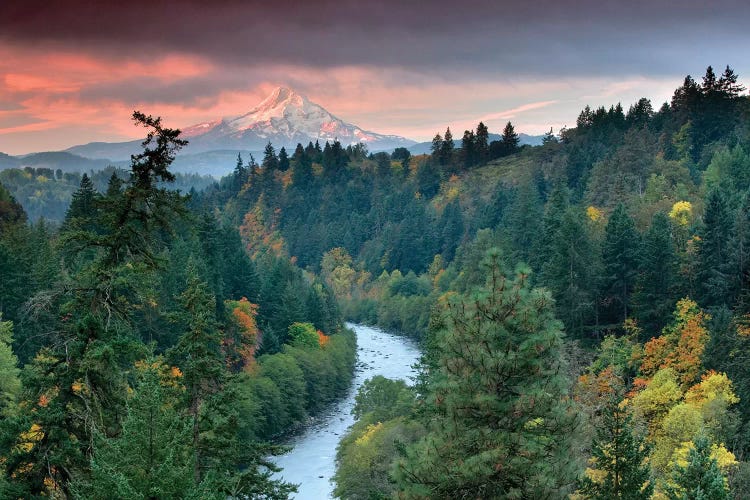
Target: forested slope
(633, 223)
(144, 354)
(577, 301)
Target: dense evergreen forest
(45, 193)
(144, 354)
(582, 306)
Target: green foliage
(383, 399)
(366, 454)
(502, 419)
(700, 478)
(621, 457)
(654, 294)
(303, 335)
(10, 384)
(152, 457)
(714, 252)
(620, 261)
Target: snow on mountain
(284, 118)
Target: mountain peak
(281, 97)
(285, 117)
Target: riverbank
(312, 461)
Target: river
(311, 462)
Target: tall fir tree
(620, 259)
(198, 354)
(283, 159)
(701, 478)
(655, 290)
(510, 139)
(570, 272)
(482, 143)
(468, 149)
(714, 262)
(623, 458)
(502, 423)
(446, 148)
(152, 457)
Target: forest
(583, 309)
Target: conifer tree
(468, 149)
(198, 353)
(446, 148)
(714, 262)
(10, 384)
(570, 272)
(437, 144)
(502, 421)
(283, 159)
(701, 478)
(740, 254)
(482, 143)
(510, 139)
(240, 174)
(152, 457)
(622, 456)
(77, 383)
(302, 174)
(655, 287)
(620, 259)
(82, 203)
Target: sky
(72, 72)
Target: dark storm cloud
(489, 37)
(198, 91)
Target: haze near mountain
(285, 118)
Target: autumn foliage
(260, 234)
(247, 337)
(681, 346)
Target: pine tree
(302, 174)
(701, 478)
(622, 456)
(437, 144)
(620, 259)
(482, 143)
(283, 160)
(198, 354)
(524, 222)
(270, 160)
(240, 175)
(740, 254)
(152, 457)
(510, 139)
(82, 205)
(549, 138)
(468, 149)
(655, 288)
(502, 421)
(714, 262)
(556, 207)
(570, 273)
(10, 384)
(77, 383)
(446, 148)
(452, 229)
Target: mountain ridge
(284, 118)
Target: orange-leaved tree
(243, 337)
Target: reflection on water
(311, 463)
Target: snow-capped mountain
(285, 118)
